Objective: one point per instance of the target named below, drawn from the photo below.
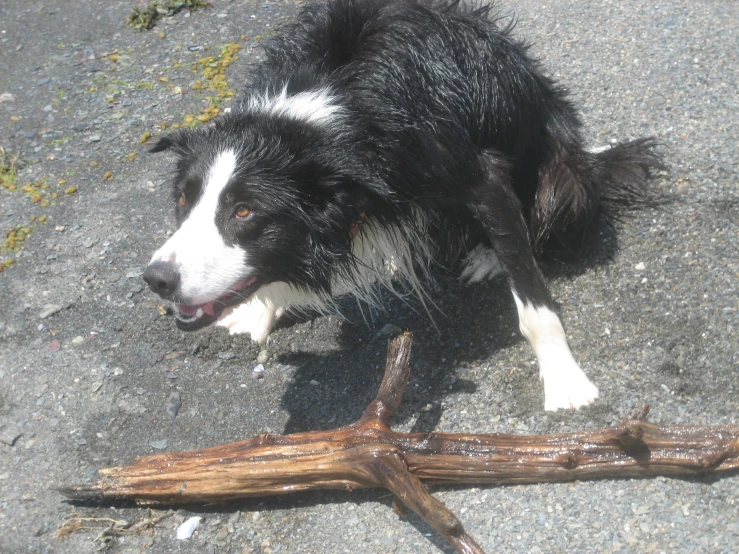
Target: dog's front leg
(257, 316)
(497, 209)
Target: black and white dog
(378, 138)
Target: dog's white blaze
(316, 106)
(480, 264)
(208, 266)
(565, 384)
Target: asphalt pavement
(92, 368)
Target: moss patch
(146, 18)
(9, 166)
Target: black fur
(444, 114)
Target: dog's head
(257, 201)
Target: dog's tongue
(191, 311)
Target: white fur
(387, 256)
(565, 384)
(480, 264)
(208, 267)
(316, 106)
(258, 315)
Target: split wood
(369, 454)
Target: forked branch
(369, 454)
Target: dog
(377, 139)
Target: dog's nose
(163, 278)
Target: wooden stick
(369, 454)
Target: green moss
(8, 170)
(146, 18)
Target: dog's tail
(579, 190)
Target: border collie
(377, 139)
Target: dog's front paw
(254, 317)
(566, 385)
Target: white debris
(640, 266)
(259, 369)
(187, 528)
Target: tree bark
(369, 454)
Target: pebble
(226, 355)
(49, 309)
(259, 369)
(262, 357)
(94, 138)
(187, 528)
(314, 382)
(9, 438)
(640, 266)
(174, 402)
(78, 340)
(159, 445)
(389, 330)
(6, 97)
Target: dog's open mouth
(191, 317)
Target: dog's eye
(181, 200)
(241, 211)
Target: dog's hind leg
(497, 209)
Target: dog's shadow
(465, 324)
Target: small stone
(259, 369)
(96, 386)
(94, 138)
(262, 357)
(226, 355)
(9, 438)
(6, 97)
(49, 309)
(47, 108)
(221, 534)
(160, 445)
(78, 340)
(389, 330)
(188, 527)
(314, 382)
(38, 530)
(174, 402)
(640, 266)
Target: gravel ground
(91, 384)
